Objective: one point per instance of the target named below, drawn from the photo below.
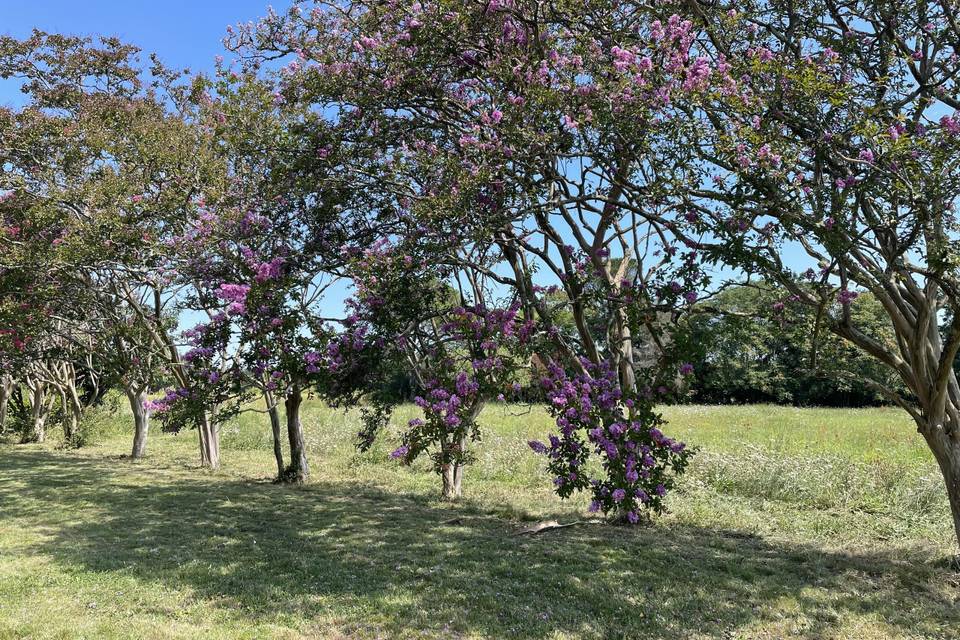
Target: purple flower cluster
(448, 407)
(846, 296)
(592, 414)
(236, 295)
(269, 270)
(164, 404)
(339, 350)
(474, 361)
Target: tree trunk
(72, 407)
(953, 491)
(452, 475)
(274, 413)
(622, 340)
(38, 413)
(299, 471)
(452, 472)
(209, 442)
(946, 450)
(71, 421)
(6, 388)
(141, 421)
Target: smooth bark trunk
(275, 427)
(209, 443)
(141, 421)
(299, 470)
(39, 409)
(946, 450)
(953, 492)
(452, 475)
(71, 421)
(72, 407)
(6, 388)
(452, 472)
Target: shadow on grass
(378, 564)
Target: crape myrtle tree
(157, 304)
(50, 341)
(513, 140)
(53, 314)
(461, 342)
(132, 361)
(292, 224)
(67, 366)
(254, 338)
(282, 246)
(21, 348)
(832, 168)
(64, 357)
(261, 259)
(99, 169)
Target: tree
(628, 130)
(494, 138)
(21, 323)
(99, 170)
(835, 140)
(260, 259)
(133, 363)
(461, 344)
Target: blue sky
(184, 33)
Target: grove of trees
(525, 199)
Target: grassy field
(792, 523)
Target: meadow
(791, 523)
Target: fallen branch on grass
(550, 525)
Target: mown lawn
(791, 524)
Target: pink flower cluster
(592, 414)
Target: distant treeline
(753, 344)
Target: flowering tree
(461, 344)
(510, 142)
(260, 259)
(130, 361)
(256, 333)
(23, 347)
(98, 168)
(516, 188)
(830, 165)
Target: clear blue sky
(184, 33)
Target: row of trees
(516, 190)
(749, 343)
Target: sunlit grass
(807, 523)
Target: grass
(792, 523)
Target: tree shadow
(382, 564)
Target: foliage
(99, 168)
(638, 459)
(515, 190)
(755, 344)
